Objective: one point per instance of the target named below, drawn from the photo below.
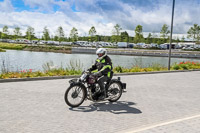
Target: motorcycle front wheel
(75, 95)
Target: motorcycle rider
(103, 70)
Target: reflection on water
(22, 60)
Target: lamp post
(170, 46)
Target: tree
(17, 32)
(124, 36)
(138, 34)
(55, 38)
(149, 39)
(177, 39)
(154, 37)
(74, 34)
(194, 32)
(131, 39)
(92, 31)
(60, 34)
(117, 29)
(159, 41)
(116, 33)
(96, 38)
(30, 33)
(164, 31)
(46, 36)
(182, 39)
(5, 32)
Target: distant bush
(12, 46)
(32, 48)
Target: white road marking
(163, 124)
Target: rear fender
(123, 85)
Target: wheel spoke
(78, 90)
(114, 91)
(79, 97)
(75, 95)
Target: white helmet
(102, 51)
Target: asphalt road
(154, 103)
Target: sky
(102, 14)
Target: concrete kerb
(76, 76)
(155, 72)
(37, 78)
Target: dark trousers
(101, 81)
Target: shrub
(39, 74)
(176, 67)
(148, 69)
(2, 50)
(135, 69)
(118, 69)
(156, 67)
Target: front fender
(79, 84)
(73, 81)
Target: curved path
(154, 103)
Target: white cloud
(150, 17)
(42, 5)
(39, 20)
(6, 6)
(101, 14)
(47, 5)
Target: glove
(97, 74)
(88, 71)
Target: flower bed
(186, 66)
(30, 74)
(73, 71)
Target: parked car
(188, 48)
(154, 45)
(42, 42)
(66, 43)
(131, 45)
(122, 44)
(35, 41)
(12, 41)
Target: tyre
(114, 91)
(75, 95)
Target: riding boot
(102, 86)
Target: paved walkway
(154, 103)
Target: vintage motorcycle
(86, 87)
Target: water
(24, 60)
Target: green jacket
(104, 66)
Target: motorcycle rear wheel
(75, 95)
(114, 91)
